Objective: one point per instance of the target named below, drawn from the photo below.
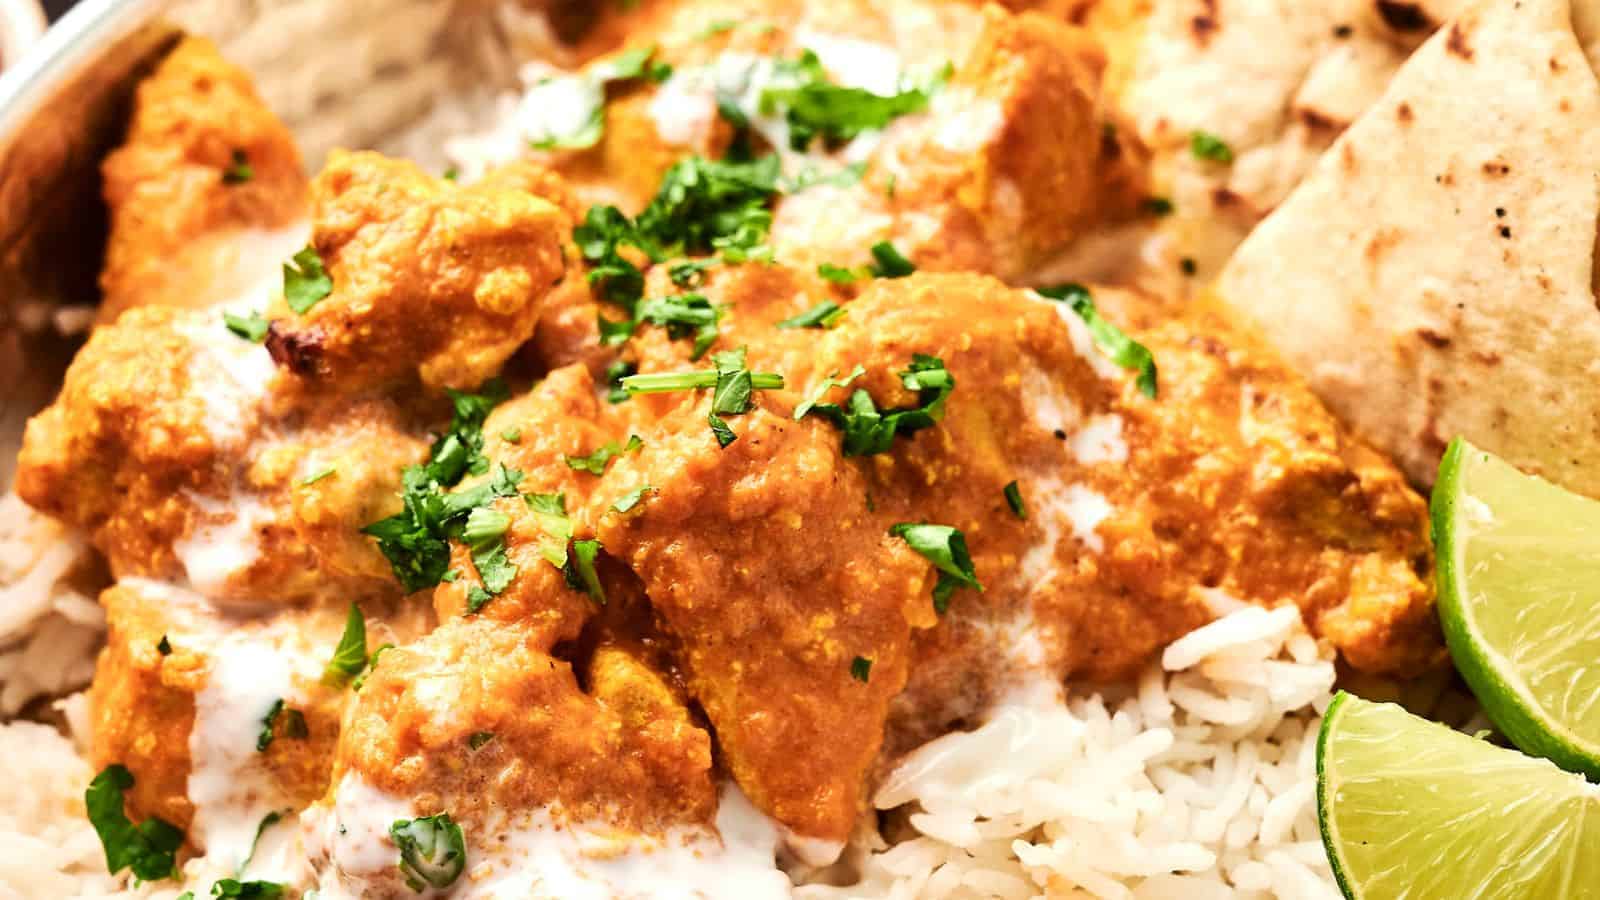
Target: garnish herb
(267, 821)
(484, 534)
(1014, 500)
(816, 107)
(946, 548)
(888, 263)
(350, 654)
(479, 738)
(416, 540)
(731, 382)
(1158, 206)
(247, 890)
(550, 511)
(1207, 146)
(840, 275)
(252, 327)
(511, 435)
(824, 315)
(868, 430)
(477, 598)
(615, 372)
(149, 848)
(810, 176)
(861, 669)
(239, 171)
(293, 725)
(451, 173)
(433, 851)
(684, 315)
(317, 476)
(164, 646)
(596, 462)
(587, 92)
(828, 383)
(1123, 350)
(580, 572)
(689, 273)
(305, 281)
(631, 499)
(715, 28)
(372, 663)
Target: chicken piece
(477, 720)
(173, 444)
(207, 194)
(762, 560)
(181, 696)
(431, 281)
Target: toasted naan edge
(1432, 276)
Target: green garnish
(689, 273)
(721, 430)
(596, 462)
(318, 476)
(861, 669)
(550, 511)
(247, 890)
(1014, 500)
(479, 738)
(716, 27)
(840, 274)
(816, 107)
(824, 315)
(305, 281)
(372, 663)
(433, 852)
(683, 316)
(810, 176)
(163, 646)
(589, 89)
(580, 572)
(888, 263)
(1123, 350)
(477, 598)
(293, 725)
(511, 435)
(252, 327)
(239, 171)
(828, 383)
(350, 654)
(631, 499)
(484, 534)
(149, 849)
(1158, 206)
(267, 821)
(416, 540)
(1207, 146)
(946, 548)
(615, 372)
(868, 430)
(451, 173)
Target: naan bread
(1433, 274)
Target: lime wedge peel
(1412, 809)
(1519, 599)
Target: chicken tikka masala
(652, 486)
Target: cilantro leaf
(868, 430)
(828, 383)
(861, 669)
(372, 663)
(247, 890)
(631, 499)
(478, 738)
(239, 170)
(1207, 146)
(252, 327)
(1123, 350)
(293, 725)
(595, 463)
(615, 372)
(721, 430)
(305, 281)
(824, 315)
(840, 274)
(433, 851)
(816, 107)
(350, 654)
(946, 548)
(484, 534)
(888, 263)
(683, 315)
(580, 571)
(1014, 500)
(149, 849)
(550, 511)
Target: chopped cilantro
(888, 263)
(318, 476)
(239, 170)
(484, 534)
(305, 281)
(451, 173)
(586, 91)
(293, 725)
(478, 738)
(477, 598)
(596, 462)
(252, 327)
(149, 848)
(946, 548)
(1014, 500)
(350, 654)
(580, 572)
(868, 430)
(511, 435)
(1207, 146)
(615, 372)
(721, 430)
(372, 663)
(683, 316)
(689, 273)
(824, 315)
(631, 499)
(810, 177)
(433, 852)
(164, 646)
(1123, 350)
(267, 821)
(247, 890)
(861, 669)
(1158, 206)
(716, 27)
(840, 274)
(550, 511)
(816, 107)
(828, 383)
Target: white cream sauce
(559, 108)
(1099, 440)
(1082, 341)
(537, 857)
(223, 544)
(1060, 510)
(232, 377)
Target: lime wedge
(1411, 810)
(1519, 597)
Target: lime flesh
(1411, 810)
(1519, 598)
